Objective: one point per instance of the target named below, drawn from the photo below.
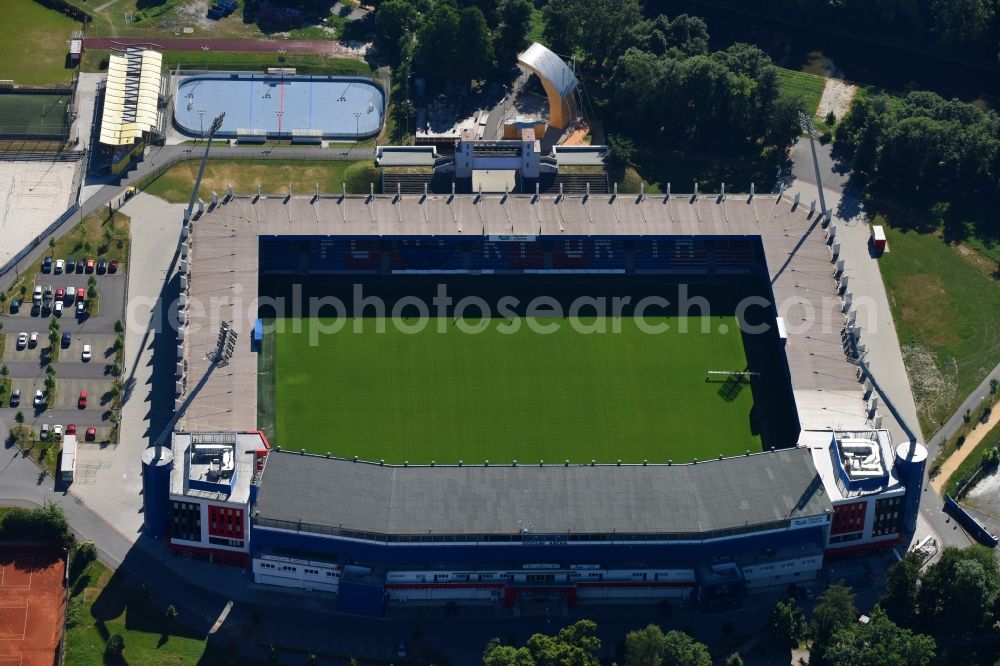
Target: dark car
(15, 306)
(36, 309)
(65, 340)
(79, 265)
(102, 266)
(47, 306)
(71, 265)
(15, 398)
(47, 265)
(113, 266)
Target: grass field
(305, 63)
(34, 114)
(34, 42)
(946, 303)
(273, 176)
(499, 396)
(807, 87)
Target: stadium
(357, 417)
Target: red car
(113, 266)
(82, 402)
(80, 293)
(91, 434)
(59, 294)
(71, 429)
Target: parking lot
(26, 364)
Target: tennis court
(32, 605)
(336, 107)
(35, 115)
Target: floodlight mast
(213, 128)
(806, 123)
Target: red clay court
(32, 605)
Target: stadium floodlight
(212, 129)
(806, 123)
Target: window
(186, 521)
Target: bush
(45, 524)
(114, 647)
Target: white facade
(296, 573)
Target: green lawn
(102, 604)
(499, 396)
(808, 87)
(34, 44)
(304, 63)
(273, 176)
(946, 306)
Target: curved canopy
(557, 79)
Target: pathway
(959, 456)
(315, 46)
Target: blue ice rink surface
(342, 107)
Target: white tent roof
(130, 96)
(550, 66)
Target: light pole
(357, 127)
(213, 128)
(201, 121)
(806, 123)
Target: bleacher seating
(732, 254)
(426, 254)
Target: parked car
(58, 308)
(37, 296)
(57, 432)
(102, 266)
(80, 293)
(47, 265)
(71, 429)
(22, 340)
(113, 266)
(71, 265)
(39, 398)
(47, 306)
(65, 340)
(90, 266)
(59, 293)
(60, 264)
(81, 402)
(33, 339)
(79, 265)
(86, 353)
(15, 398)
(69, 295)
(91, 434)
(36, 309)
(80, 308)
(43, 434)
(15, 306)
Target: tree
(474, 45)
(900, 597)
(787, 623)
(644, 647)
(437, 40)
(879, 643)
(497, 654)
(170, 615)
(682, 650)
(19, 417)
(395, 22)
(119, 326)
(512, 37)
(575, 645)
(406, 112)
(960, 590)
(621, 153)
(834, 610)
(734, 659)
(312, 659)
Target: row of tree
(577, 645)
(923, 142)
(458, 40)
(958, 28)
(47, 523)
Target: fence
(39, 239)
(971, 525)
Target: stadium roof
(549, 67)
(732, 493)
(130, 96)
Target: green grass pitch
(502, 397)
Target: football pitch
(526, 396)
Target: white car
(37, 297)
(70, 292)
(86, 353)
(22, 340)
(43, 434)
(57, 432)
(60, 264)
(33, 339)
(80, 307)
(57, 309)
(39, 398)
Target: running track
(319, 46)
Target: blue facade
(910, 468)
(156, 466)
(316, 255)
(516, 554)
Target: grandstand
(647, 527)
